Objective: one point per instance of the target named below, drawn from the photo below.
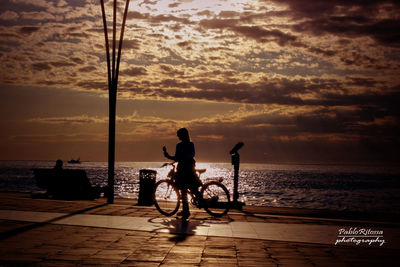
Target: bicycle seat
(200, 171)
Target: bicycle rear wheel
(166, 197)
(215, 198)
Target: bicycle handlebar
(168, 163)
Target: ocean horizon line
(372, 164)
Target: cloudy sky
(296, 81)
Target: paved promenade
(43, 232)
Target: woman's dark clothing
(184, 152)
(186, 172)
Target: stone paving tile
(173, 264)
(63, 245)
(18, 258)
(79, 252)
(6, 225)
(146, 256)
(258, 264)
(219, 253)
(194, 240)
(65, 257)
(58, 263)
(112, 254)
(134, 263)
(108, 237)
(326, 261)
(99, 262)
(212, 261)
(186, 250)
(181, 259)
(46, 250)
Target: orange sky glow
(296, 81)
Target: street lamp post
(112, 71)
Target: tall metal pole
(121, 38)
(112, 89)
(111, 141)
(107, 43)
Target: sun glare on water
(213, 173)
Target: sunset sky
(296, 81)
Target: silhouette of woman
(186, 173)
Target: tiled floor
(318, 234)
(42, 232)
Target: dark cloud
(228, 14)
(53, 83)
(41, 66)
(134, 71)
(176, 28)
(169, 70)
(137, 15)
(320, 135)
(174, 5)
(354, 18)
(207, 13)
(131, 44)
(75, 32)
(62, 64)
(77, 60)
(68, 120)
(87, 69)
(360, 81)
(326, 93)
(29, 29)
(226, 74)
(384, 100)
(315, 8)
(6, 35)
(259, 34)
(268, 93)
(93, 85)
(45, 66)
(359, 122)
(168, 18)
(263, 35)
(148, 2)
(157, 18)
(185, 44)
(216, 23)
(385, 32)
(326, 53)
(170, 83)
(299, 107)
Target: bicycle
(167, 198)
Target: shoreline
(262, 211)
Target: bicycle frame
(214, 196)
(172, 175)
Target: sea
(366, 188)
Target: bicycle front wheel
(166, 197)
(215, 198)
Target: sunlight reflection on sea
(337, 187)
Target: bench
(66, 184)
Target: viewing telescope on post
(236, 163)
